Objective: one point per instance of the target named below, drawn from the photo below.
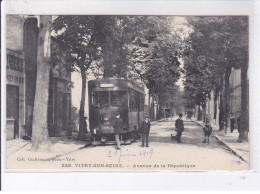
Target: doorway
(12, 106)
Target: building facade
(212, 108)
(59, 104)
(21, 72)
(15, 78)
(235, 92)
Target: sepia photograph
(127, 93)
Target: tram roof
(114, 84)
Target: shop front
(15, 101)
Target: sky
(180, 81)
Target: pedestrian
(180, 128)
(118, 127)
(232, 122)
(145, 129)
(207, 131)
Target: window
(100, 99)
(132, 100)
(142, 102)
(135, 100)
(118, 99)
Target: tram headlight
(103, 139)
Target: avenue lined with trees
(216, 45)
(147, 48)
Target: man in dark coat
(180, 128)
(145, 129)
(118, 128)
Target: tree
(142, 47)
(222, 43)
(154, 54)
(85, 40)
(126, 46)
(40, 136)
(78, 37)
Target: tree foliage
(216, 45)
(81, 40)
(154, 52)
(132, 47)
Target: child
(207, 132)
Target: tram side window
(133, 100)
(100, 99)
(137, 97)
(142, 102)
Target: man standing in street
(180, 128)
(118, 127)
(145, 129)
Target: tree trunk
(215, 103)
(40, 136)
(204, 114)
(243, 132)
(149, 105)
(107, 65)
(199, 113)
(221, 106)
(82, 119)
(227, 106)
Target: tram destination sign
(106, 85)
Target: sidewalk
(59, 146)
(242, 150)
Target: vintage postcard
(127, 93)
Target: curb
(230, 148)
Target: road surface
(162, 153)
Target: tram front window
(119, 99)
(101, 99)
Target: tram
(109, 96)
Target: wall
(235, 92)
(59, 106)
(234, 102)
(15, 75)
(14, 32)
